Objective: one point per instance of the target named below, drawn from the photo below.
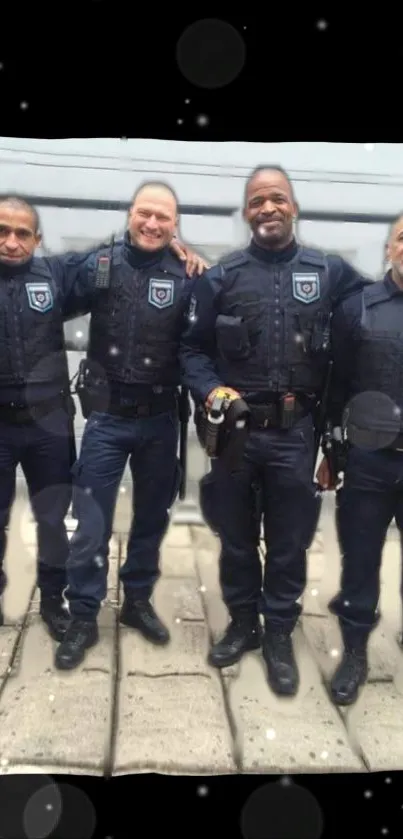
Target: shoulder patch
(306, 287)
(310, 256)
(234, 260)
(375, 293)
(40, 297)
(161, 292)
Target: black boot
(282, 670)
(352, 671)
(244, 634)
(139, 614)
(79, 637)
(54, 615)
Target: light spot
(324, 755)
(79, 334)
(187, 101)
(334, 653)
(322, 25)
(51, 697)
(23, 106)
(4, 761)
(202, 588)
(271, 734)
(113, 351)
(122, 490)
(98, 561)
(177, 620)
(368, 793)
(179, 121)
(314, 592)
(369, 146)
(202, 120)
(202, 791)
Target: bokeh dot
(275, 811)
(210, 53)
(16, 793)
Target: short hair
(275, 167)
(154, 185)
(19, 203)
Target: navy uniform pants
(150, 444)
(43, 449)
(281, 464)
(371, 496)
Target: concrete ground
(133, 708)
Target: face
(152, 219)
(394, 250)
(18, 238)
(270, 210)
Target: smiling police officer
(259, 326)
(36, 411)
(367, 338)
(133, 373)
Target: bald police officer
(36, 412)
(367, 340)
(133, 348)
(259, 326)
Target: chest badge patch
(40, 297)
(161, 293)
(306, 287)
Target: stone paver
(172, 708)
(304, 734)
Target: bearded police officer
(133, 374)
(367, 339)
(36, 411)
(259, 326)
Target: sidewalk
(133, 708)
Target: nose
(269, 207)
(12, 242)
(152, 223)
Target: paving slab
(323, 635)
(178, 561)
(303, 734)
(187, 651)
(177, 536)
(61, 720)
(374, 722)
(184, 594)
(174, 724)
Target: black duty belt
(143, 409)
(269, 415)
(20, 414)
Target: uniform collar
(138, 258)
(273, 256)
(390, 285)
(8, 271)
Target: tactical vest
(273, 331)
(137, 321)
(379, 362)
(31, 329)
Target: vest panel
(273, 331)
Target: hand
(226, 392)
(194, 262)
(324, 477)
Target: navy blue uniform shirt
(345, 337)
(198, 349)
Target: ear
(295, 210)
(38, 240)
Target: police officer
(259, 326)
(133, 353)
(36, 410)
(367, 339)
